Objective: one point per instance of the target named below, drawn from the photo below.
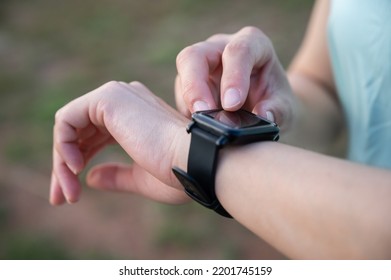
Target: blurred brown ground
(54, 51)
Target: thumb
(112, 177)
(133, 179)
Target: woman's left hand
(150, 131)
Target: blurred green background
(52, 51)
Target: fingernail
(270, 116)
(200, 106)
(231, 98)
(73, 169)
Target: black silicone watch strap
(202, 164)
(202, 158)
(199, 181)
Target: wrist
(210, 132)
(238, 169)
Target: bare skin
(306, 204)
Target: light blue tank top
(359, 35)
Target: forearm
(318, 118)
(305, 204)
(318, 122)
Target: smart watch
(210, 131)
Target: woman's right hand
(234, 71)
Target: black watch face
(239, 127)
(238, 119)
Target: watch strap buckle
(197, 193)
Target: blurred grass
(27, 247)
(52, 51)
(191, 229)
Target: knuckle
(217, 37)
(136, 84)
(112, 86)
(106, 95)
(253, 33)
(119, 87)
(186, 53)
(237, 46)
(58, 116)
(251, 30)
(252, 44)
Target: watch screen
(238, 119)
